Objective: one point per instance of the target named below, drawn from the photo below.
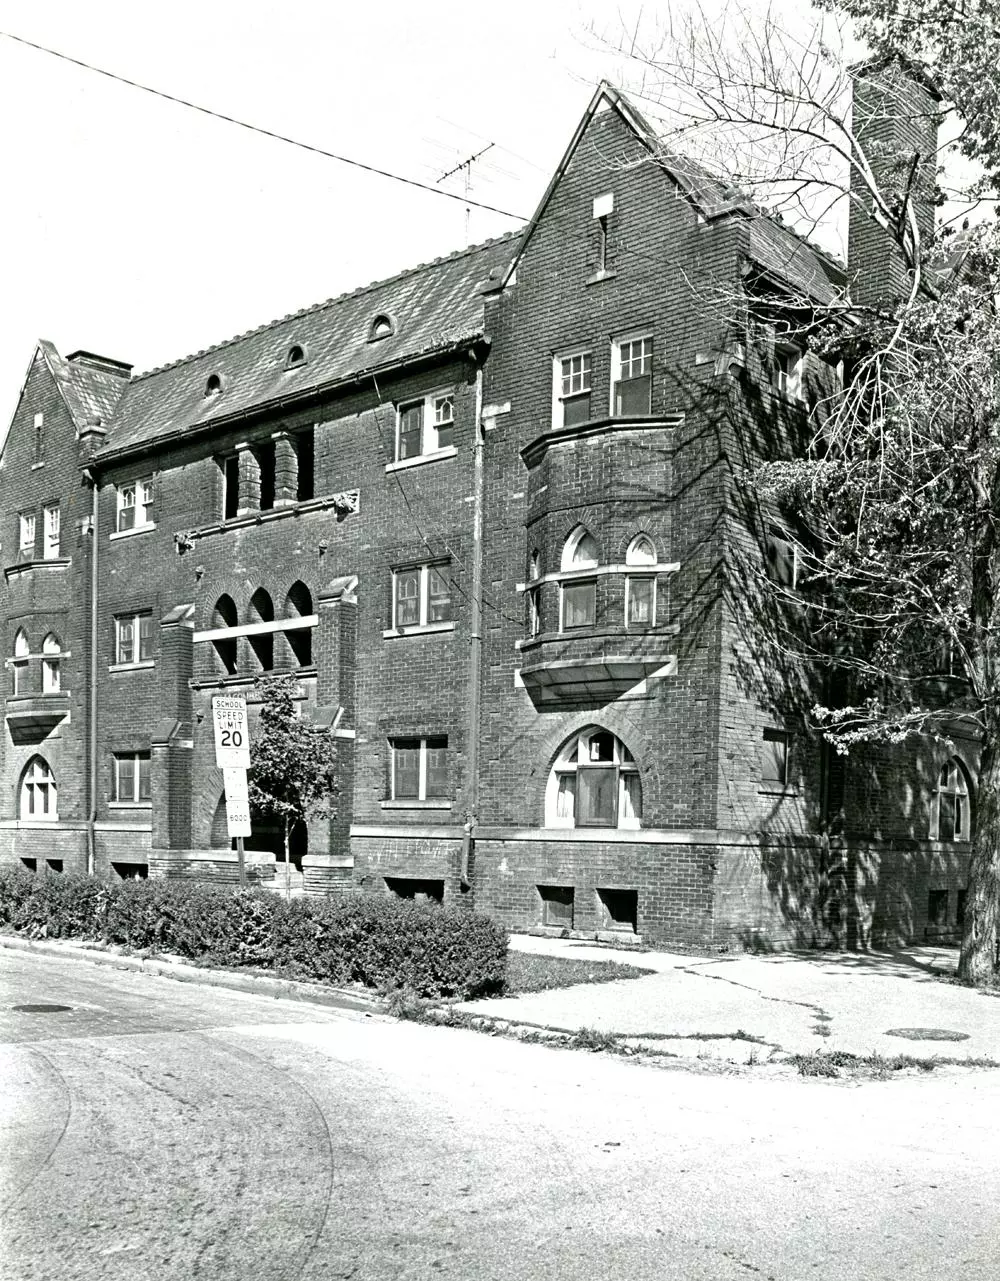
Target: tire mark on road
(67, 1096)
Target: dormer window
(296, 356)
(213, 385)
(383, 326)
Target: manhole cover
(42, 1009)
(927, 1034)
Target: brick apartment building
(483, 511)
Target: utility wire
(267, 133)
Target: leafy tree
(293, 764)
(896, 498)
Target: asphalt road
(179, 1133)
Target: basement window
(619, 910)
(416, 889)
(131, 871)
(557, 905)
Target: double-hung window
(26, 536)
(775, 759)
(133, 638)
(51, 654)
(632, 376)
(425, 426)
(640, 584)
(572, 389)
(135, 504)
(130, 778)
(578, 591)
(421, 596)
(419, 769)
(19, 665)
(50, 545)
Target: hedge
(381, 942)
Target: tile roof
(91, 394)
(434, 307)
(787, 255)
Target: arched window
(19, 667)
(213, 385)
(51, 653)
(594, 782)
(224, 615)
(640, 587)
(262, 644)
(382, 327)
(38, 792)
(953, 803)
(296, 356)
(578, 595)
(298, 604)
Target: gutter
(92, 710)
(192, 432)
(475, 696)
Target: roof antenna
(466, 168)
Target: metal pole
(241, 861)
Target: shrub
(382, 942)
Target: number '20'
(232, 738)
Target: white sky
(142, 230)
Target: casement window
(418, 769)
(578, 594)
(640, 587)
(421, 596)
(594, 782)
(19, 666)
(51, 656)
(51, 522)
(789, 368)
(26, 536)
(632, 376)
(572, 389)
(775, 759)
(425, 426)
(38, 796)
(130, 778)
(136, 505)
(953, 816)
(133, 638)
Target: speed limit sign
(232, 737)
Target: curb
(256, 985)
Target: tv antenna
(465, 168)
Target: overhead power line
(267, 133)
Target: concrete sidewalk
(788, 1002)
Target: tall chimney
(895, 119)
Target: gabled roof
(778, 247)
(433, 308)
(90, 393)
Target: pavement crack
(817, 1010)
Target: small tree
(293, 763)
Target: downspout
(475, 641)
(92, 711)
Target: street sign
(232, 736)
(237, 801)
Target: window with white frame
(425, 426)
(133, 638)
(594, 782)
(135, 504)
(421, 596)
(632, 376)
(38, 799)
(640, 583)
(572, 389)
(418, 769)
(39, 439)
(534, 595)
(19, 665)
(26, 536)
(130, 778)
(51, 522)
(578, 594)
(789, 366)
(51, 656)
(953, 802)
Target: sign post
(232, 755)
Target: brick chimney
(896, 113)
